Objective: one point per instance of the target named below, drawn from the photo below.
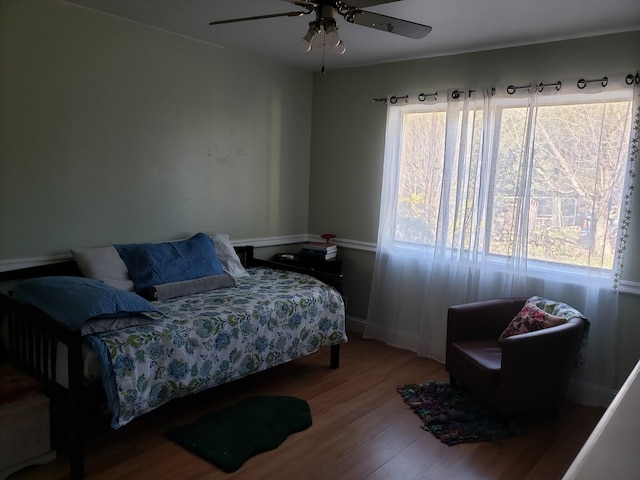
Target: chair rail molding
(632, 288)
(9, 264)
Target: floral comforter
(207, 339)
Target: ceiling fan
(323, 31)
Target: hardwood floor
(361, 430)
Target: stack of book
(319, 250)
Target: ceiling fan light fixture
(322, 34)
(340, 48)
(332, 37)
(307, 41)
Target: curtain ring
(511, 89)
(582, 83)
(395, 99)
(423, 96)
(630, 79)
(605, 81)
(456, 93)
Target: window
(502, 178)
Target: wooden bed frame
(32, 340)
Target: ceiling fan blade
(259, 17)
(303, 3)
(390, 24)
(367, 3)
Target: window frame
(498, 260)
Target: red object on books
(328, 236)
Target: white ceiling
(458, 26)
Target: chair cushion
(481, 358)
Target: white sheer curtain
(464, 214)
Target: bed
(184, 336)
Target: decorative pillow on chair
(530, 319)
(556, 308)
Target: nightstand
(330, 266)
(24, 423)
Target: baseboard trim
(355, 324)
(586, 393)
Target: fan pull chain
(324, 48)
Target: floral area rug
(452, 414)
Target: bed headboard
(65, 267)
(69, 267)
(245, 253)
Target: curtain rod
(511, 89)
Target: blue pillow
(158, 263)
(74, 300)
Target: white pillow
(103, 263)
(228, 257)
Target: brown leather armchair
(526, 374)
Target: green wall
(348, 143)
(111, 131)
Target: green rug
(229, 437)
(452, 414)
